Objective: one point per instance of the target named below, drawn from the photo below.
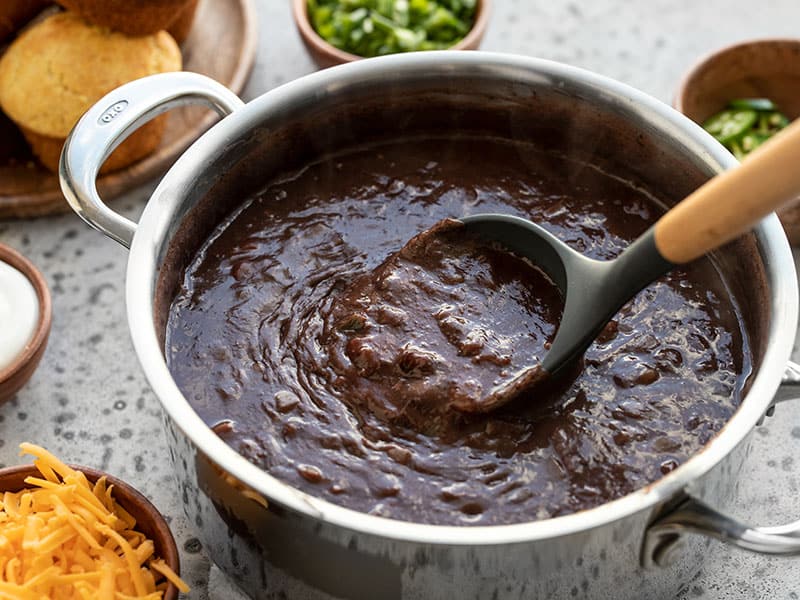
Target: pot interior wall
(607, 133)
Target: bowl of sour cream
(25, 318)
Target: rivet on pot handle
(663, 539)
(116, 116)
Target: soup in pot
(338, 363)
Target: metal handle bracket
(663, 539)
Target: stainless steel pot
(278, 542)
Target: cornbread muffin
(58, 68)
(183, 24)
(15, 13)
(133, 17)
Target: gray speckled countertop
(89, 401)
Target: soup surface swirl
(250, 343)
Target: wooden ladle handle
(734, 201)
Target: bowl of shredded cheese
(74, 532)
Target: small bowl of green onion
(340, 31)
(745, 94)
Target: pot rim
(153, 227)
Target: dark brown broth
(245, 332)
(426, 338)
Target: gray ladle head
(593, 290)
(720, 210)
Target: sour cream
(19, 313)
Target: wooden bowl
(15, 375)
(149, 520)
(327, 55)
(756, 69)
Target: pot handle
(789, 388)
(663, 538)
(112, 119)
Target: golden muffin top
(57, 69)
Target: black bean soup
(342, 359)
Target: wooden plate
(222, 44)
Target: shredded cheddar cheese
(66, 538)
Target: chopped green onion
(759, 104)
(376, 27)
(730, 125)
(746, 124)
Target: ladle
(594, 290)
